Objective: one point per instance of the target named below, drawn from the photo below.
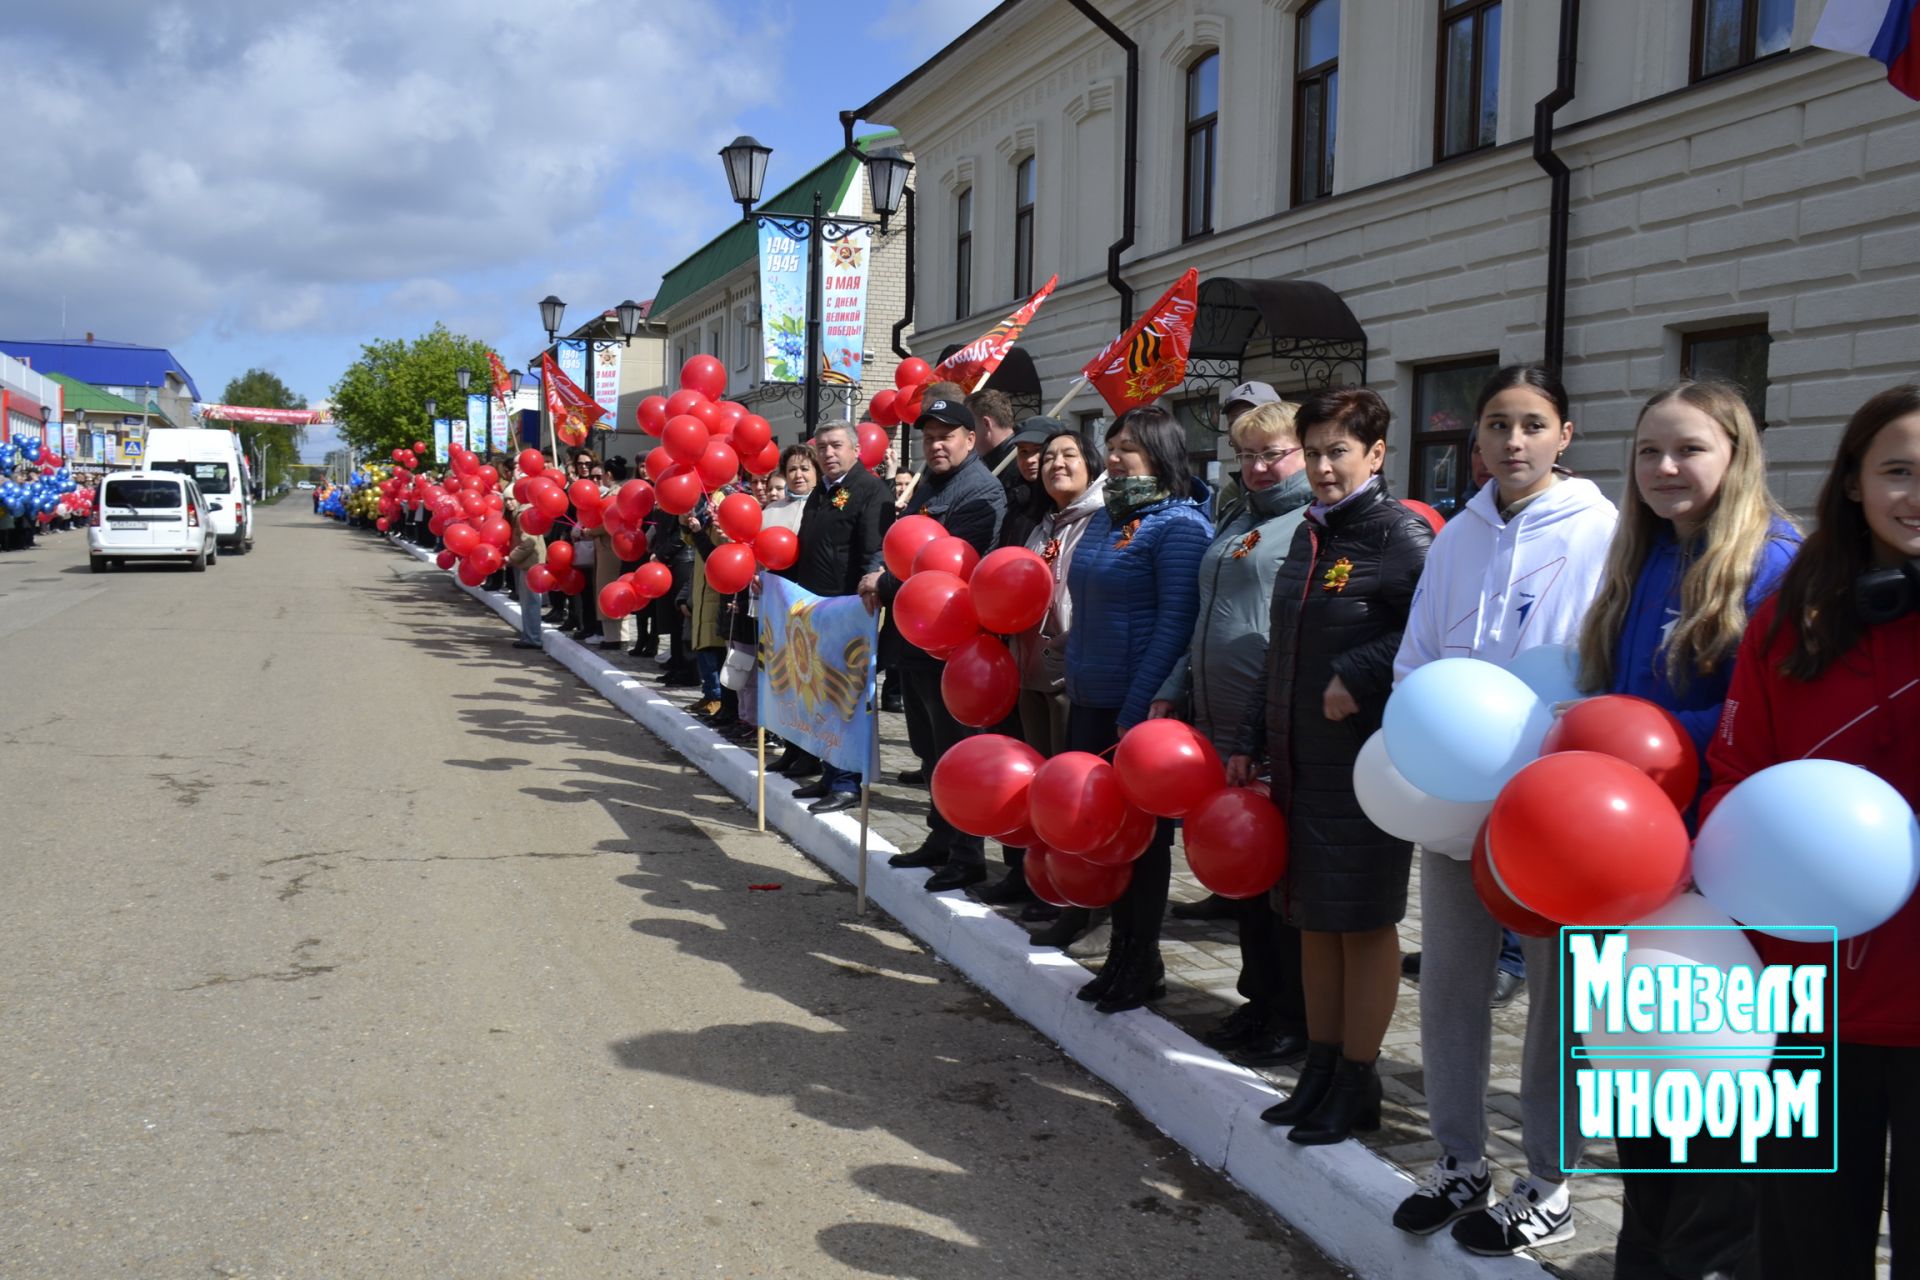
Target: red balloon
(1135, 834)
(718, 465)
(706, 375)
(1644, 734)
(635, 500)
(874, 444)
(710, 415)
(472, 573)
(980, 784)
(933, 612)
(560, 556)
(731, 412)
(949, 555)
(489, 476)
(750, 435)
(446, 559)
(1587, 839)
(683, 401)
(730, 567)
(981, 683)
(572, 582)
(397, 453)
(473, 504)
(764, 462)
(739, 517)
(535, 521)
(1012, 590)
(461, 538)
(907, 406)
(617, 599)
(1076, 802)
(590, 517)
(487, 558)
(1085, 883)
(411, 462)
(629, 546)
(685, 438)
(1237, 843)
(496, 532)
(652, 580)
(1020, 837)
(419, 446)
(881, 407)
(912, 372)
(657, 461)
(1425, 512)
(540, 578)
(678, 492)
(520, 490)
(548, 497)
(1498, 904)
(904, 540)
(651, 414)
(1038, 867)
(1168, 767)
(776, 547)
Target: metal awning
(1016, 376)
(1302, 324)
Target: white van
(212, 458)
(150, 516)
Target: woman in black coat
(1340, 602)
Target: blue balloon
(1459, 728)
(1809, 842)
(1552, 671)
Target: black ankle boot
(1143, 977)
(1068, 926)
(1316, 1079)
(1352, 1103)
(1007, 890)
(1119, 947)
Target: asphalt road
(339, 939)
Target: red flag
(1150, 359)
(502, 384)
(974, 363)
(574, 411)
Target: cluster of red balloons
(409, 458)
(1591, 833)
(704, 439)
(901, 406)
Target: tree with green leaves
(277, 443)
(379, 403)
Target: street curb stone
(1340, 1196)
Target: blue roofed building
(144, 375)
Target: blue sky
(284, 181)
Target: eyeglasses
(1271, 458)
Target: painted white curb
(1341, 1197)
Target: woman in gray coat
(1211, 690)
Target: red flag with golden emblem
(502, 384)
(1150, 359)
(974, 363)
(574, 411)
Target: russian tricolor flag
(1887, 31)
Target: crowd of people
(1277, 616)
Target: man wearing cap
(957, 490)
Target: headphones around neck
(1887, 595)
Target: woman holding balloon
(1825, 673)
(1516, 568)
(1340, 603)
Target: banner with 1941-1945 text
(844, 266)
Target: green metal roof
(84, 395)
(739, 244)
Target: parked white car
(151, 515)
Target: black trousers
(1270, 964)
(1143, 906)
(919, 723)
(1828, 1225)
(1684, 1226)
(923, 686)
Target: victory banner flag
(1150, 359)
(502, 406)
(574, 411)
(442, 440)
(816, 672)
(974, 363)
(477, 422)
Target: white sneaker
(594, 642)
(1446, 1192)
(1530, 1216)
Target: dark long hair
(1535, 377)
(1164, 442)
(1816, 593)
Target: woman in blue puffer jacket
(1134, 584)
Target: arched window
(1203, 123)
(963, 254)
(1316, 98)
(1023, 228)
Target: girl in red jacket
(1830, 669)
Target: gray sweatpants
(1459, 957)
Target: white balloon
(1400, 809)
(1460, 728)
(1706, 937)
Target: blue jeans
(838, 779)
(529, 606)
(1512, 960)
(708, 662)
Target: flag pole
(866, 779)
(761, 732)
(1072, 391)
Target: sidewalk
(1339, 1196)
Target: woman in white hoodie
(1517, 568)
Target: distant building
(144, 375)
(28, 401)
(104, 425)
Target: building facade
(148, 376)
(1740, 204)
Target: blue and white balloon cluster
(41, 493)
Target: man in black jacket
(840, 531)
(957, 490)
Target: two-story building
(1357, 183)
(147, 376)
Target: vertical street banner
(816, 672)
(606, 383)
(479, 426)
(570, 356)
(70, 439)
(460, 432)
(442, 438)
(844, 267)
(100, 446)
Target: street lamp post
(745, 159)
(627, 315)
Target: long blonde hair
(1714, 586)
